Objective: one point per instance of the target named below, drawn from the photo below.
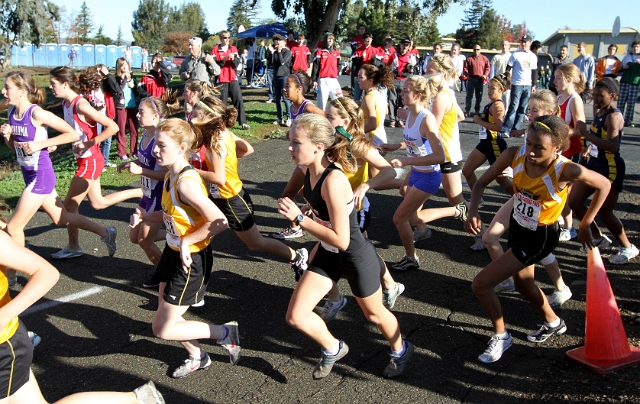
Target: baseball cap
(525, 38)
(405, 41)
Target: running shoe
(331, 309)
(495, 349)
(245, 126)
(110, 240)
(288, 122)
(406, 264)
(148, 394)
(326, 362)
(299, 264)
(191, 365)
(232, 342)
(108, 164)
(461, 212)
(67, 252)
(35, 338)
(601, 242)
(421, 235)
(389, 297)
(624, 255)
(558, 297)
(397, 363)
(506, 286)
(547, 331)
(568, 234)
(288, 233)
(479, 244)
(151, 282)
(199, 304)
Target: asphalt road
(96, 322)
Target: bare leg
(254, 240)
(386, 322)
(413, 200)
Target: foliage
(119, 40)
(26, 20)
(177, 42)
(189, 17)
(242, 12)
(488, 35)
(101, 38)
(208, 45)
(84, 24)
(149, 23)
(468, 33)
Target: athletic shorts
(425, 182)
(16, 355)
(40, 182)
(531, 246)
(90, 168)
(184, 289)
(238, 210)
(363, 216)
(492, 148)
(151, 204)
(614, 171)
(360, 268)
(448, 168)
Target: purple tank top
(300, 111)
(25, 131)
(150, 187)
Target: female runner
(605, 135)
(374, 104)
(86, 182)
(191, 220)
(424, 155)
(26, 133)
(343, 249)
(541, 177)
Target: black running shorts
(16, 355)
(184, 289)
(238, 210)
(531, 246)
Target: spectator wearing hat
(403, 64)
(521, 65)
(324, 75)
(476, 70)
(365, 54)
(227, 57)
(281, 61)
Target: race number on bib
(327, 224)
(593, 150)
(24, 159)
(173, 237)
(483, 133)
(214, 191)
(526, 211)
(145, 184)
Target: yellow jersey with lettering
(11, 327)
(537, 201)
(181, 219)
(449, 132)
(358, 178)
(233, 184)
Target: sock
(336, 303)
(333, 351)
(554, 323)
(226, 332)
(504, 335)
(401, 351)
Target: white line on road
(65, 299)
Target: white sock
(401, 351)
(554, 323)
(333, 351)
(503, 335)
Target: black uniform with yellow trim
(491, 144)
(604, 162)
(181, 219)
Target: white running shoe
(421, 235)
(506, 286)
(568, 234)
(479, 244)
(67, 252)
(559, 297)
(624, 255)
(288, 233)
(331, 309)
(495, 349)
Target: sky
(541, 17)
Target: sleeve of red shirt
(487, 67)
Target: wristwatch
(299, 219)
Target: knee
(399, 218)
(158, 329)
(467, 171)
(98, 205)
(490, 239)
(294, 319)
(375, 319)
(479, 287)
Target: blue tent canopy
(264, 31)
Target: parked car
(177, 60)
(168, 62)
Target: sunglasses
(225, 37)
(476, 49)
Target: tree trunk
(328, 22)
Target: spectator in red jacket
(476, 69)
(386, 51)
(291, 41)
(365, 54)
(227, 57)
(154, 84)
(301, 56)
(403, 65)
(325, 71)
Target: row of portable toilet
(53, 54)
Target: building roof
(563, 32)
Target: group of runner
(190, 186)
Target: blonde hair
(348, 109)
(157, 105)
(571, 72)
(213, 118)
(182, 132)
(24, 81)
(424, 86)
(444, 65)
(546, 100)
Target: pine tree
(489, 35)
(242, 12)
(26, 20)
(150, 22)
(119, 36)
(101, 38)
(84, 23)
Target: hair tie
(498, 81)
(342, 132)
(24, 81)
(343, 108)
(205, 106)
(543, 125)
(298, 80)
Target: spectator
(437, 48)
(291, 41)
(108, 88)
(609, 66)
(72, 55)
(128, 55)
(198, 65)
(630, 83)
(365, 54)
(386, 51)
(458, 63)
(155, 83)
(586, 64)
(240, 69)
(281, 60)
(268, 54)
(325, 71)
(562, 59)
(125, 99)
(226, 56)
(252, 58)
(403, 65)
(145, 62)
(476, 70)
(499, 66)
(521, 63)
(356, 42)
(535, 49)
(301, 56)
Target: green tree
(242, 12)
(375, 17)
(101, 38)
(468, 32)
(119, 40)
(84, 23)
(188, 18)
(489, 36)
(431, 35)
(149, 23)
(26, 20)
(347, 24)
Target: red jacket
(325, 64)
(301, 56)
(363, 56)
(403, 65)
(228, 65)
(386, 54)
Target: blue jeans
(270, 83)
(357, 91)
(105, 146)
(517, 108)
(278, 86)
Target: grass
(260, 117)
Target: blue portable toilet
(77, 62)
(53, 54)
(63, 51)
(88, 55)
(15, 49)
(28, 50)
(101, 54)
(112, 56)
(137, 57)
(22, 55)
(40, 55)
(120, 51)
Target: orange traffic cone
(606, 348)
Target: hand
(137, 217)
(585, 152)
(6, 131)
(131, 166)
(533, 89)
(473, 224)
(51, 149)
(315, 85)
(80, 147)
(33, 147)
(208, 59)
(185, 256)
(187, 75)
(402, 113)
(306, 209)
(288, 209)
(585, 236)
(396, 163)
(508, 172)
(359, 194)
(477, 119)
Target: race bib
(593, 150)
(24, 159)
(326, 224)
(145, 184)
(173, 237)
(483, 133)
(412, 149)
(526, 211)
(214, 191)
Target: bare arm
(89, 114)
(46, 118)
(312, 109)
(497, 112)
(369, 107)
(613, 124)
(243, 148)
(217, 173)
(385, 174)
